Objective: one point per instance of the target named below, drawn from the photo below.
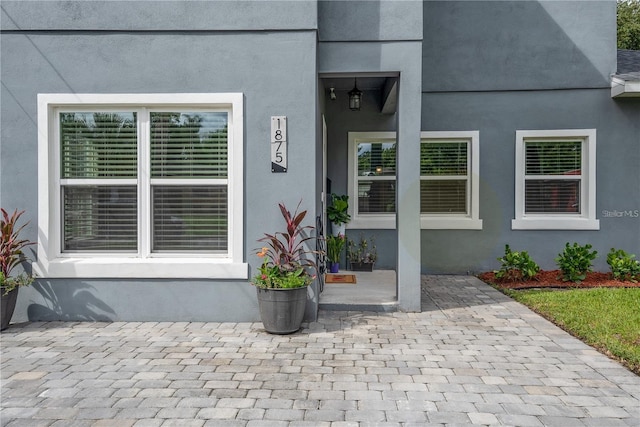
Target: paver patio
(473, 356)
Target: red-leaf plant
(11, 247)
(286, 253)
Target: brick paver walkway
(472, 356)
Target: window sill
(555, 224)
(153, 268)
(444, 223)
(385, 222)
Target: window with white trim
(555, 180)
(145, 185)
(372, 179)
(449, 188)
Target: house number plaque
(278, 144)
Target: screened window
(449, 191)
(99, 170)
(372, 179)
(376, 177)
(188, 181)
(149, 183)
(188, 164)
(555, 172)
(444, 177)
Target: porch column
(408, 184)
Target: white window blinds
(553, 176)
(99, 172)
(189, 145)
(103, 183)
(189, 181)
(444, 177)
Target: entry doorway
(376, 290)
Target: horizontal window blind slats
(543, 161)
(376, 196)
(552, 196)
(189, 144)
(553, 158)
(95, 144)
(100, 215)
(100, 218)
(443, 196)
(190, 218)
(443, 158)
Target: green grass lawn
(605, 318)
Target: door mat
(341, 278)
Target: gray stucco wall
(369, 20)
(497, 116)
(518, 45)
(498, 67)
(276, 72)
(152, 15)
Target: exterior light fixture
(332, 93)
(355, 97)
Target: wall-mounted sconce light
(332, 94)
(355, 97)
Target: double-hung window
(555, 180)
(372, 179)
(449, 188)
(145, 185)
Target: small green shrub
(516, 266)
(575, 262)
(623, 265)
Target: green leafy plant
(337, 211)
(335, 245)
(628, 20)
(516, 266)
(575, 262)
(11, 254)
(362, 252)
(287, 263)
(623, 265)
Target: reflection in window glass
(376, 177)
(98, 145)
(377, 159)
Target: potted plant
(286, 271)
(335, 244)
(11, 247)
(362, 255)
(337, 213)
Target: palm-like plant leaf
(10, 244)
(286, 250)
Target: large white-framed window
(372, 180)
(449, 187)
(140, 185)
(555, 175)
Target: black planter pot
(282, 310)
(8, 306)
(361, 266)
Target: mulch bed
(553, 279)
